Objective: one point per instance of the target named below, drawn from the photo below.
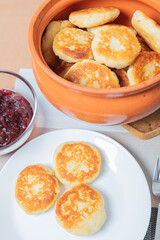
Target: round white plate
(121, 182)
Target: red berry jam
(15, 115)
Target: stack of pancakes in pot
(90, 50)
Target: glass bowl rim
(34, 110)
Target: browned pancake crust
(116, 47)
(140, 63)
(77, 154)
(118, 34)
(36, 189)
(147, 28)
(92, 17)
(122, 76)
(67, 205)
(73, 45)
(91, 74)
(95, 30)
(92, 10)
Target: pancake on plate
(36, 189)
(76, 162)
(95, 30)
(148, 29)
(89, 73)
(81, 210)
(92, 17)
(47, 40)
(116, 47)
(73, 45)
(145, 66)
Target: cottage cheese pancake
(81, 210)
(36, 189)
(47, 40)
(145, 66)
(73, 45)
(92, 17)
(148, 29)
(95, 30)
(116, 47)
(89, 73)
(76, 163)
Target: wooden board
(147, 127)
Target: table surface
(15, 16)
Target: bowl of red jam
(18, 111)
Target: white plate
(121, 182)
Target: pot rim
(112, 92)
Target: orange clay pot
(104, 106)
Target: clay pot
(104, 106)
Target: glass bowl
(16, 83)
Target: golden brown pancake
(116, 47)
(81, 210)
(36, 189)
(73, 45)
(89, 73)
(76, 163)
(148, 29)
(92, 17)
(145, 66)
(47, 40)
(95, 30)
(122, 76)
(61, 67)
